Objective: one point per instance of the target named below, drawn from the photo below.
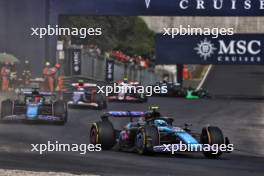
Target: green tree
(128, 34)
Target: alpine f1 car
(151, 132)
(85, 95)
(33, 105)
(128, 92)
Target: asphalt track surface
(241, 119)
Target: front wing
(38, 118)
(83, 104)
(125, 99)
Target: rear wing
(123, 114)
(129, 82)
(85, 85)
(133, 82)
(30, 91)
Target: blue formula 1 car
(150, 132)
(33, 105)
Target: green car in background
(192, 94)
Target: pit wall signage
(236, 49)
(109, 70)
(76, 61)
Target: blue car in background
(150, 132)
(33, 105)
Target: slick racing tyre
(60, 110)
(212, 135)
(6, 108)
(202, 94)
(146, 139)
(103, 133)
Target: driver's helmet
(148, 115)
(80, 82)
(155, 114)
(35, 92)
(37, 99)
(160, 123)
(165, 81)
(35, 96)
(190, 89)
(125, 80)
(152, 115)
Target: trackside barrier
(93, 69)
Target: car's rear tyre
(60, 110)
(212, 135)
(202, 93)
(6, 108)
(180, 93)
(103, 133)
(146, 139)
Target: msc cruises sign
(147, 3)
(158, 7)
(206, 7)
(236, 49)
(215, 4)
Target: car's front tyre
(6, 108)
(146, 139)
(212, 135)
(103, 133)
(60, 110)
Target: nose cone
(32, 111)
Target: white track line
(204, 78)
(4, 172)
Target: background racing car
(192, 93)
(150, 132)
(125, 95)
(177, 90)
(173, 89)
(85, 95)
(33, 105)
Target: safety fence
(94, 67)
